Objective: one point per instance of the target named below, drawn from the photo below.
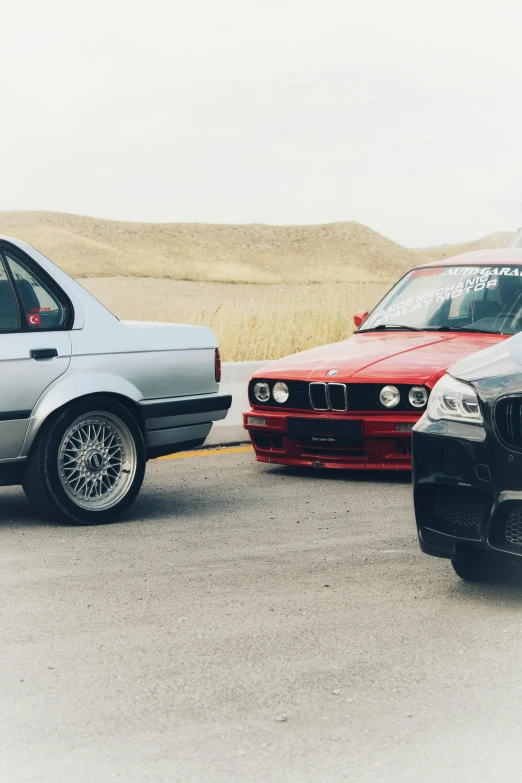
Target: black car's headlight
(262, 392)
(454, 400)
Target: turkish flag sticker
(34, 320)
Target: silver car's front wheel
(88, 462)
(97, 460)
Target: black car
(467, 465)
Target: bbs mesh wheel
(87, 464)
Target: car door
(35, 346)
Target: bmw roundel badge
(332, 372)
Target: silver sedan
(86, 399)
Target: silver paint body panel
(142, 362)
(23, 380)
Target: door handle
(43, 353)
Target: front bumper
(385, 444)
(467, 491)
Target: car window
(467, 307)
(9, 317)
(41, 309)
(481, 299)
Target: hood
(382, 357)
(493, 362)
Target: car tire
(87, 464)
(481, 566)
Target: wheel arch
(63, 392)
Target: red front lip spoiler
(384, 447)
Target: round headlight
(262, 392)
(390, 396)
(417, 396)
(280, 392)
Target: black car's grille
(464, 510)
(458, 512)
(508, 418)
(513, 532)
(332, 396)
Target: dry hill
(87, 247)
(490, 242)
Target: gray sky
(404, 115)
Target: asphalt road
(250, 622)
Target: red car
(353, 404)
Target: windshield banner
(464, 280)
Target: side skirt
(11, 473)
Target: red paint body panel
(377, 357)
(380, 441)
(387, 357)
(504, 256)
(401, 357)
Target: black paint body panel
(467, 482)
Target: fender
(69, 388)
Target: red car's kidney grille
(318, 396)
(359, 396)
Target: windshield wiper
(382, 327)
(479, 331)
(447, 328)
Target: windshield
(464, 298)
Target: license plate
(326, 432)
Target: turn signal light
(256, 421)
(217, 365)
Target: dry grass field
(336, 252)
(251, 321)
(267, 291)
